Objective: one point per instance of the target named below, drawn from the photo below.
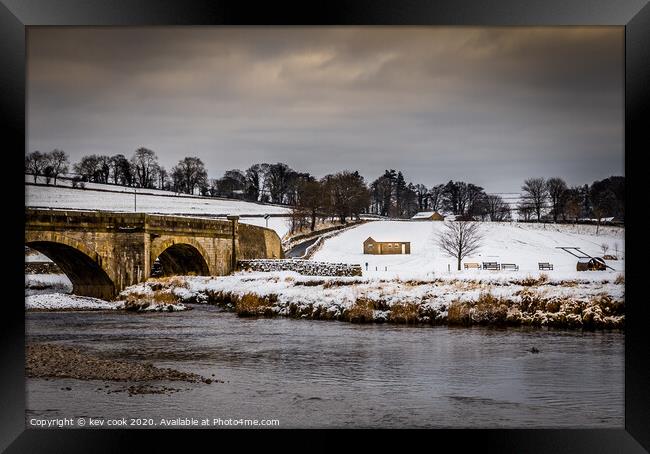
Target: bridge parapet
(81, 220)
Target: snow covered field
(67, 183)
(523, 244)
(87, 199)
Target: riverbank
(594, 303)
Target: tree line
(342, 195)
(551, 199)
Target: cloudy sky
(490, 106)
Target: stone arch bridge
(104, 252)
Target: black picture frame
(634, 15)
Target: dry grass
(530, 281)
(164, 298)
(487, 309)
(608, 305)
(253, 305)
(458, 313)
(361, 311)
(338, 283)
(407, 313)
(620, 280)
(156, 283)
(138, 301)
(569, 283)
(467, 285)
(532, 300)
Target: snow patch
(60, 301)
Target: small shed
(428, 216)
(372, 246)
(591, 264)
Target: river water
(308, 373)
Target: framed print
(348, 216)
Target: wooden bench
(472, 265)
(491, 266)
(545, 266)
(510, 266)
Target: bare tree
(497, 208)
(277, 179)
(436, 197)
(144, 162)
(232, 184)
(557, 191)
(604, 247)
(122, 170)
(188, 174)
(57, 161)
(87, 167)
(603, 205)
(35, 162)
(255, 176)
(525, 210)
(310, 200)
(572, 204)
(345, 195)
(460, 239)
(535, 193)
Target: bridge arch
(83, 266)
(180, 257)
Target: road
(300, 249)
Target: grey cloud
(492, 106)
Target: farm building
(428, 216)
(372, 246)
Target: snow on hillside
(522, 244)
(86, 199)
(60, 197)
(67, 183)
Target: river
(308, 373)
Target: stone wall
(306, 267)
(256, 242)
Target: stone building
(428, 216)
(372, 246)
